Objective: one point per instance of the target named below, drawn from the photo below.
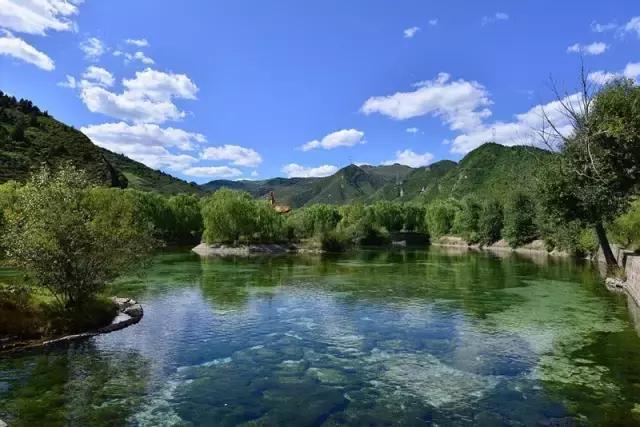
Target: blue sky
(254, 89)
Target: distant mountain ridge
(30, 138)
(491, 170)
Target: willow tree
(598, 167)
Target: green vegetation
(69, 241)
(598, 168)
(31, 138)
(520, 220)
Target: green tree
(490, 222)
(466, 220)
(626, 228)
(598, 167)
(186, 217)
(69, 244)
(389, 215)
(520, 220)
(228, 217)
(440, 216)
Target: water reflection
(366, 338)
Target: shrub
(625, 229)
(186, 217)
(333, 241)
(389, 215)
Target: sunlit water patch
(402, 337)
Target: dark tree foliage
(520, 220)
(490, 222)
(598, 168)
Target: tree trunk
(606, 247)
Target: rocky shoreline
(204, 249)
(130, 312)
(535, 247)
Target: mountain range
(30, 138)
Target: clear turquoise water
(370, 338)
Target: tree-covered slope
(31, 138)
(490, 171)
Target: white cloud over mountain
(411, 158)
(341, 138)
(237, 155)
(213, 172)
(295, 170)
(459, 103)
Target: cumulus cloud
(147, 98)
(410, 158)
(93, 48)
(213, 171)
(433, 22)
(295, 170)
(147, 143)
(596, 48)
(410, 32)
(99, 75)
(461, 104)
(633, 26)
(137, 42)
(137, 56)
(69, 82)
(120, 133)
(19, 49)
(413, 130)
(524, 130)
(630, 71)
(37, 16)
(498, 16)
(341, 138)
(237, 155)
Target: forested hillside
(491, 170)
(30, 138)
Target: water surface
(370, 338)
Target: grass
(30, 313)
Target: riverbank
(537, 247)
(128, 312)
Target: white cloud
(69, 82)
(120, 134)
(413, 130)
(148, 98)
(524, 130)
(254, 174)
(633, 26)
(237, 155)
(137, 56)
(158, 85)
(147, 143)
(137, 42)
(213, 171)
(630, 71)
(410, 158)
(341, 138)
(93, 48)
(433, 22)
(602, 28)
(99, 75)
(295, 170)
(410, 32)
(37, 16)
(19, 49)
(461, 104)
(498, 16)
(596, 48)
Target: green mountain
(31, 138)
(492, 170)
